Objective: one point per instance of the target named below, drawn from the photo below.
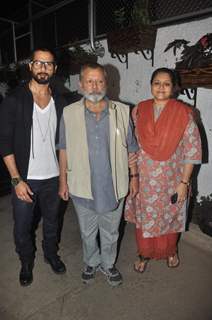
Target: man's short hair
(92, 65)
(44, 50)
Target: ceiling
(18, 11)
(13, 10)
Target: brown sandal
(173, 261)
(141, 264)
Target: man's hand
(23, 192)
(63, 186)
(132, 159)
(63, 191)
(134, 186)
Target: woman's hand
(182, 191)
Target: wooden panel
(197, 77)
(131, 39)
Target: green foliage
(120, 16)
(138, 14)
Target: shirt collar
(105, 111)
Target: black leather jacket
(16, 113)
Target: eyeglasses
(37, 64)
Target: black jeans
(46, 193)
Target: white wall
(134, 81)
(192, 32)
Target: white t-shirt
(43, 163)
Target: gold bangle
(184, 182)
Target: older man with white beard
(96, 141)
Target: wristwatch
(15, 181)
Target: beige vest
(78, 173)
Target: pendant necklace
(44, 135)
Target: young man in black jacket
(29, 119)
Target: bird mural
(197, 55)
(176, 44)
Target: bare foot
(173, 261)
(141, 264)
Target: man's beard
(42, 79)
(94, 97)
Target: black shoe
(88, 274)
(26, 276)
(114, 277)
(56, 264)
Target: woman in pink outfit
(170, 146)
